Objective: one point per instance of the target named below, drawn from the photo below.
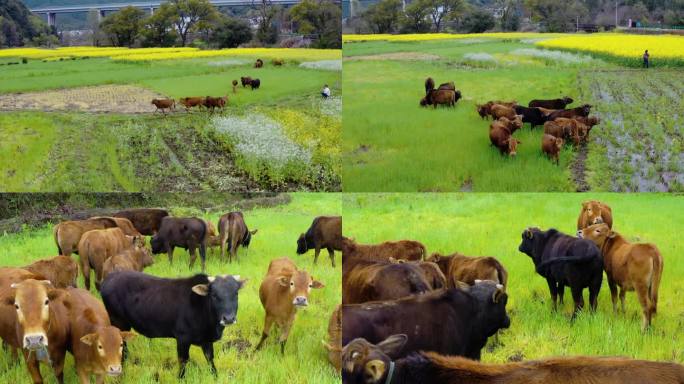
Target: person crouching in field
(325, 92)
(646, 56)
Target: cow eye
(291, 283)
(47, 301)
(310, 285)
(16, 306)
(99, 346)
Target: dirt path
(578, 168)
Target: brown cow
(42, 325)
(96, 345)
(589, 121)
(442, 96)
(212, 103)
(213, 239)
(62, 271)
(594, 212)
(127, 227)
(284, 290)
(400, 250)
(369, 280)
(164, 104)
(278, 62)
(485, 110)
(366, 363)
(98, 245)
(324, 232)
(132, 259)
(67, 234)
(234, 232)
(146, 220)
(500, 135)
(498, 111)
(334, 345)
(190, 102)
(511, 125)
(245, 81)
(584, 110)
(433, 274)
(459, 268)
(551, 146)
(631, 267)
(258, 63)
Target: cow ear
(254, 231)
(498, 294)
(392, 345)
(241, 282)
(89, 339)
(375, 369)
(201, 289)
(55, 294)
(284, 281)
(125, 335)
(461, 285)
(317, 284)
(612, 234)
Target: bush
(477, 21)
(231, 32)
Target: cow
(278, 62)
(402, 249)
(485, 110)
(629, 266)
(594, 212)
(368, 280)
(164, 104)
(235, 83)
(431, 271)
(565, 260)
(184, 232)
(134, 259)
(582, 111)
(284, 290)
(562, 128)
(551, 146)
(589, 121)
(498, 111)
(500, 136)
(429, 85)
(459, 268)
(334, 344)
(442, 96)
(213, 238)
(368, 363)
(96, 345)
(258, 63)
(551, 103)
(511, 125)
(42, 325)
(325, 232)
(98, 245)
(126, 226)
(246, 80)
(212, 103)
(531, 115)
(62, 271)
(234, 233)
(255, 84)
(146, 220)
(192, 310)
(191, 102)
(67, 234)
(467, 318)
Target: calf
(185, 232)
(551, 104)
(501, 137)
(62, 271)
(96, 345)
(98, 245)
(367, 363)
(511, 125)
(255, 84)
(258, 63)
(126, 226)
(637, 267)
(485, 109)
(146, 220)
(284, 290)
(531, 115)
(67, 234)
(584, 111)
(193, 310)
(498, 111)
(278, 62)
(551, 146)
(459, 268)
(466, 319)
(212, 103)
(324, 232)
(190, 102)
(400, 250)
(334, 345)
(245, 81)
(234, 232)
(565, 260)
(135, 259)
(594, 212)
(164, 104)
(563, 128)
(213, 238)
(366, 280)
(442, 96)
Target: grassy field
(416, 149)
(205, 152)
(305, 360)
(491, 225)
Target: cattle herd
(412, 318)
(45, 315)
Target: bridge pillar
(151, 11)
(51, 19)
(100, 15)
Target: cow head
(516, 123)
(158, 244)
(592, 212)
(32, 302)
(107, 347)
(597, 233)
(593, 120)
(512, 146)
(366, 363)
(482, 110)
(492, 299)
(248, 237)
(222, 291)
(586, 109)
(301, 245)
(457, 96)
(568, 100)
(559, 143)
(144, 256)
(299, 284)
(529, 238)
(423, 102)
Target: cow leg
(642, 294)
(554, 293)
(170, 254)
(623, 291)
(268, 322)
(593, 296)
(579, 300)
(193, 256)
(286, 332)
(208, 350)
(331, 253)
(58, 366)
(85, 271)
(98, 278)
(32, 365)
(613, 294)
(83, 376)
(561, 293)
(183, 350)
(316, 252)
(223, 248)
(99, 379)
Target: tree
(477, 20)
(19, 26)
(319, 18)
(123, 27)
(441, 11)
(267, 32)
(415, 19)
(557, 16)
(188, 13)
(639, 12)
(230, 32)
(510, 19)
(158, 29)
(383, 16)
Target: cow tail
(56, 234)
(503, 275)
(656, 274)
(424, 251)
(203, 242)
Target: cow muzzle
(35, 341)
(300, 301)
(114, 370)
(228, 320)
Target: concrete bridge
(51, 12)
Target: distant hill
(17, 24)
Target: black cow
(254, 84)
(565, 260)
(551, 104)
(184, 232)
(452, 321)
(192, 310)
(324, 232)
(531, 115)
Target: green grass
(305, 360)
(491, 225)
(391, 144)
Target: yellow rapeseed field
(442, 36)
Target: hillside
(17, 24)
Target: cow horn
(499, 286)
(211, 278)
(478, 281)
(236, 277)
(496, 296)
